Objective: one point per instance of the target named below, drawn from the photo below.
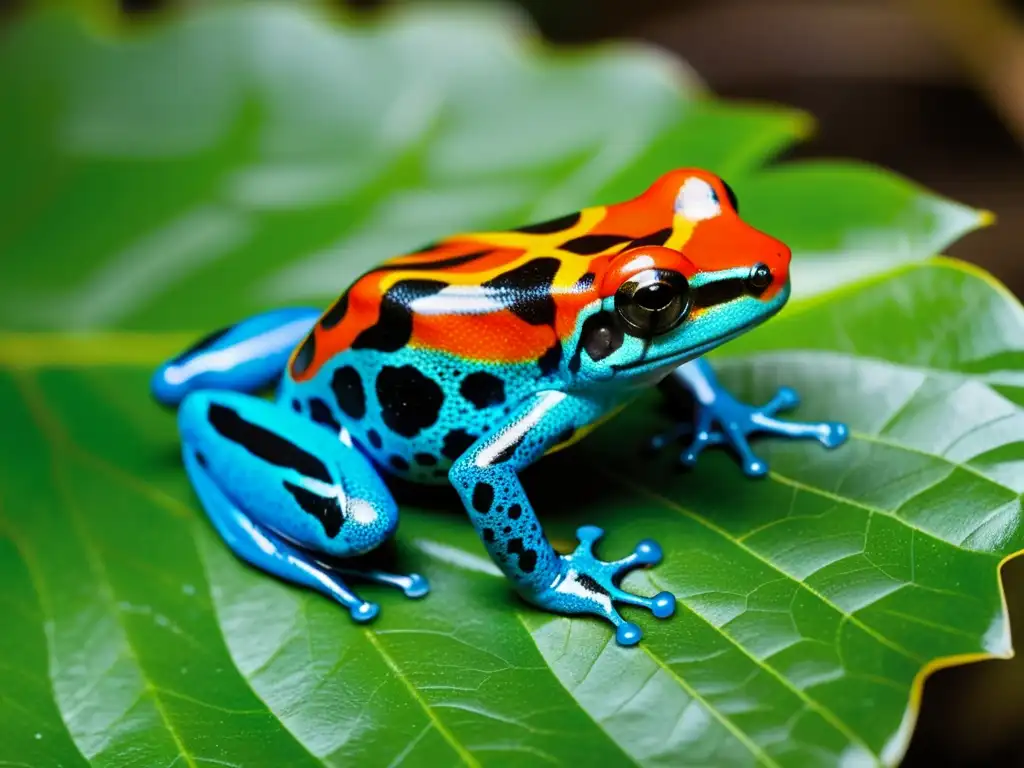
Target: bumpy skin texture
(467, 361)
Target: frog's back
(423, 354)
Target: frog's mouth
(692, 353)
(689, 354)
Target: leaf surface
(241, 157)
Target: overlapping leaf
(245, 156)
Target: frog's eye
(653, 302)
(697, 200)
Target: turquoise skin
(290, 481)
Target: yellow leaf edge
(909, 723)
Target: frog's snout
(774, 255)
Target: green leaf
(263, 148)
(244, 156)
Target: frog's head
(657, 307)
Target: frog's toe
(364, 612)
(701, 440)
(660, 440)
(785, 399)
(661, 606)
(833, 434)
(417, 586)
(412, 585)
(675, 433)
(628, 634)
(734, 434)
(829, 433)
(755, 467)
(588, 536)
(647, 552)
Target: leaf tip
(805, 126)
(986, 218)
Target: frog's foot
(287, 496)
(588, 585)
(736, 421)
(412, 585)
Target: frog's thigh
(289, 475)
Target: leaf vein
(448, 736)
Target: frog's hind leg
(245, 357)
(286, 495)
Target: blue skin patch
(291, 483)
(416, 407)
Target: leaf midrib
(448, 736)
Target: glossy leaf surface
(810, 603)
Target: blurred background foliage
(933, 89)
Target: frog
(463, 363)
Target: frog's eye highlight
(697, 200)
(653, 302)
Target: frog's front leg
(486, 479)
(283, 493)
(735, 421)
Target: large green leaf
(240, 157)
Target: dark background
(933, 89)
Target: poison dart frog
(465, 362)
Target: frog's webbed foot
(586, 584)
(723, 420)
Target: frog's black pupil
(654, 302)
(654, 297)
